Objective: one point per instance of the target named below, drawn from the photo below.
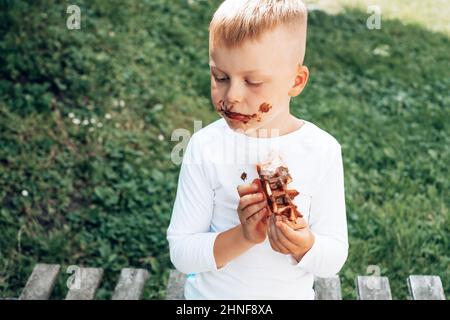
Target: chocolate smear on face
(248, 119)
(245, 118)
(265, 107)
(219, 106)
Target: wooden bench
(367, 287)
(130, 285)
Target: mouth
(234, 115)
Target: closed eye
(255, 84)
(249, 83)
(221, 79)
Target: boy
(221, 233)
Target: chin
(242, 126)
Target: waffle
(274, 186)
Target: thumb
(260, 188)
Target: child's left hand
(289, 237)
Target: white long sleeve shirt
(206, 205)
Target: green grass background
(101, 195)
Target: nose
(234, 93)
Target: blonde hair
(236, 21)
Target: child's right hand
(253, 211)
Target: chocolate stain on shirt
(243, 176)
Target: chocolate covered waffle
(274, 180)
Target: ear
(301, 78)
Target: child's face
(251, 85)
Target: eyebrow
(243, 72)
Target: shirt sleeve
(190, 241)
(328, 223)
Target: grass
(101, 196)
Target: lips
(236, 116)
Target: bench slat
(89, 282)
(41, 282)
(131, 284)
(327, 288)
(373, 288)
(425, 287)
(175, 285)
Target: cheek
(217, 101)
(213, 84)
(265, 107)
(216, 88)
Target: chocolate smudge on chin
(249, 118)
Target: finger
(258, 184)
(272, 228)
(247, 188)
(270, 236)
(299, 223)
(250, 199)
(282, 248)
(257, 217)
(273, 245)
(277, 236)
(269, 226)
(276, 245)
(265, 220)
(252, 209)
(292, 235)
(269, 223)
(283, 240)
(275, 239)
